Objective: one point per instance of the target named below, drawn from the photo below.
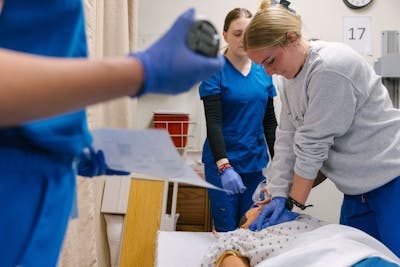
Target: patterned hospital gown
(258, 246)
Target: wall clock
(357, 4)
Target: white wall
(321, 19)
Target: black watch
(290, 202)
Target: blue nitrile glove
(273, 213)
(285, 216)
(231, 181)
(93, 163)
(170, 67)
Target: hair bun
(265, 4)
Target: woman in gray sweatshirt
(337, 121)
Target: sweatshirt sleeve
(303, 141)
(330, 111)
(280, 171)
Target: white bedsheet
(181, 249)
(331, 245)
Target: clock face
(355, 4)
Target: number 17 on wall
(357, 33)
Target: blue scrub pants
(377, 213)
(375, 262)
(36, 194)
(227, 210)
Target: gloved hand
(231, 181)
(170, 67)
(93, 163)
(272, 214)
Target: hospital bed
(140, 206)
(331, 245)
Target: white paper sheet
(147, 154)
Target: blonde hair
(270, 25)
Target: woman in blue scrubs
(38, 159)
(238, 103)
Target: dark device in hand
(203, 38)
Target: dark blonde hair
(235, 14)
(270, 25)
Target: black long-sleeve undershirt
(212, 110)
(270, 125)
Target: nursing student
(240, 118)
(38, 160)
(337, 119)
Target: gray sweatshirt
(336, 117)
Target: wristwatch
(290, 202)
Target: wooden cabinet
(143, 218)
(142, 221)
(193, 208)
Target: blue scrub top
(243, 102)
(57, 30)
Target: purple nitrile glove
(231, 181)
(170, 67)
